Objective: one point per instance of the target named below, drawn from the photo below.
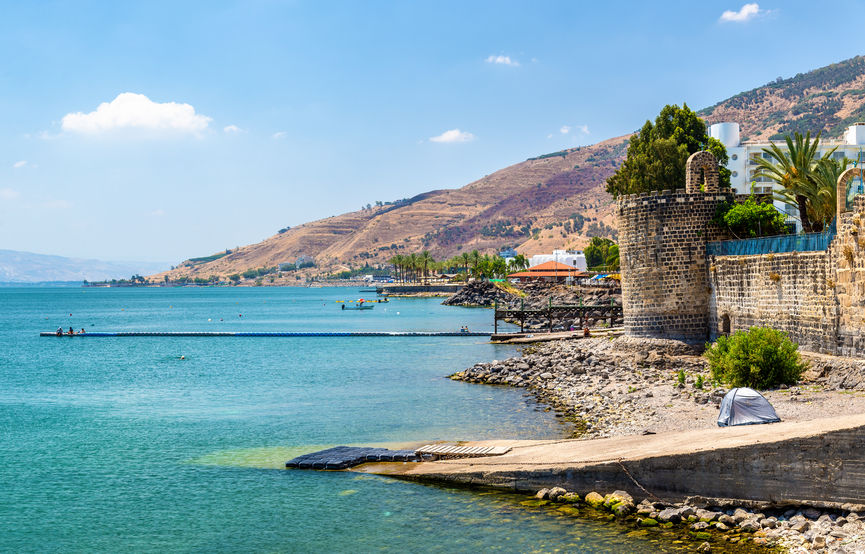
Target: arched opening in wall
(725, 325)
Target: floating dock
(344, 457)
(271, 334)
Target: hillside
(27, 267)
(552, 201)
(528, 205)
(826, 99)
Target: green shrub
(750, 218)
(760, 358)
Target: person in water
(59, 332)
(82, 331)
(71, 331)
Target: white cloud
(503, 60)
(745, 13)
(565, 129)
(9, 194)
(232, 129)
(20, 164)
(454, 135)
(279, 135)
(158, 213)
(550, 136)
(136, 111)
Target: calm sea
(116, 444)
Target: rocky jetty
(709, 522)
(480, 294)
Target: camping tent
(744, 406)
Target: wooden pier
(581, 312)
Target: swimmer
(182, 357)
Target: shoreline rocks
(706, 521)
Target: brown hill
(826, 99)
(542, 203)
(552, 201)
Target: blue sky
(223, 122)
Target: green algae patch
(568, 510)
(347, 492)
(649, 522)
(534, 503)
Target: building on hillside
(743, 155)
(549, 272)
(508, 254)
(573, 258)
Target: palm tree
(412, 265)
(475, 259)
(499, 267)
(424, 261)
(519, 262)
(395, 262)
(823, 202)
(466, 258)
(793, 170)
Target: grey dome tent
(744, 406)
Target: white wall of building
(572, 258)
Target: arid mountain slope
(826, 99)
(530, 205)
(510, 207)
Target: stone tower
(662, 245)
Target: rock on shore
(479, 294)
(606, 387)
(798, 529)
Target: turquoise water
(113, 444)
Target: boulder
(570, 497)
(555, 492)
(617, 497)
(623, 509)
(669, 515)
(543, 494)
(801, 526)
(750, 525)
(594, 500)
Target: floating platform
(272, 334)
(344, 457)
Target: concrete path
(816, 461)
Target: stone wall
(791, 292)
(662, 245)
(818, 298)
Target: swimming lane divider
(271, 334)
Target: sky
(160, 131)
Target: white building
(743, 166)
(573, 258)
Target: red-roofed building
(549, 272)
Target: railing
(809, 242)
